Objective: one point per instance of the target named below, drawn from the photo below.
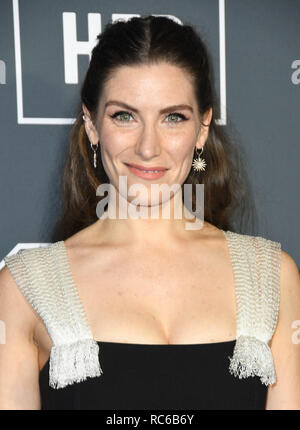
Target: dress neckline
(173, 345)
(75, 289)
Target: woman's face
(148, 115)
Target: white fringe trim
(252, 357)
(74, 362)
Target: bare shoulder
(285, 344)
(289, 306)
(13, 304)
(289, 289)
(289, 269)
(18, 353)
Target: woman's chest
(155, 299)
(165, 305)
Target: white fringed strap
(83, 355)
(256, 265)
(43, 276)
(252, 357)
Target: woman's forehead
(161, 71)
(135, 83)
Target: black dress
(145, 377)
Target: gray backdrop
(256, 59)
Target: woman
(143, 313)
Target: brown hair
(148, 40)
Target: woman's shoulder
(30, 252)
(289, 288)
(16, 307)
(251, 237)
(261, 252)
(33, 270)
(289, 269)
(286, 340)
(283, 271)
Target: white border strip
(59, 121)
(19, 86)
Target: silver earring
(199, 163)
(94, 148)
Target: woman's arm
(285, 344)
(19, 368)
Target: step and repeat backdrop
(45, 50)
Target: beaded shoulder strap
(44, 278)
(256, 265)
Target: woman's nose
(149, 143)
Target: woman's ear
(90, 128)
(204, 128)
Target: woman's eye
(176, 116)
(121, 114)
(124, 116)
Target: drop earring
(95, 153)
(199, 163)
(94, 147)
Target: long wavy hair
(148, 40)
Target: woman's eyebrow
(167, 109)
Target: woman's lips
(146, 174)
(138, 166)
